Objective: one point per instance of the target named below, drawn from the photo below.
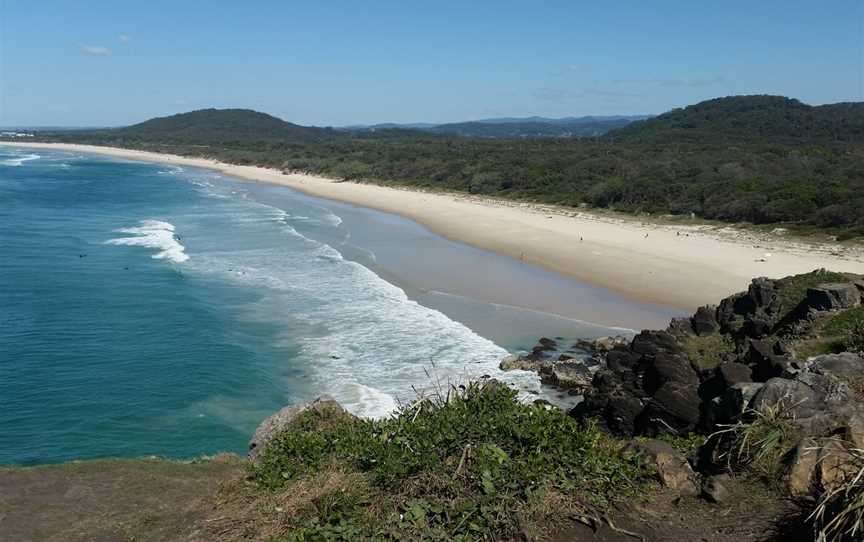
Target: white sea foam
(367, 344)
(361, 339)
(19, 160)
(154, 234)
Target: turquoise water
(148, 309)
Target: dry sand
(673, 265)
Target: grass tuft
(839, 515)
(759, 441)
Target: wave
(154, 234)
(366, 342)
(18, 161)
(363, 340)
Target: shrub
(471, 463)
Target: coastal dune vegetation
(765, 160)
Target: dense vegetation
(757, 159)
(581, 127)
(752, 119)
(219, 125)
(469, 464)
(515, 128)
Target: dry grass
(839, 515)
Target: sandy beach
(672, 265)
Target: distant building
(15, 134)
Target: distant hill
(208, 125)
(516, 127)
(759, 118)
(587, 127)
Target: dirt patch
(751, 513)
(114, 500)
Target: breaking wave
(154, 234)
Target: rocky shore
(780, 357)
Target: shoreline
(680, 266)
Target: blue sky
(336, 63)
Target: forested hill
(513, 127)
(586, 127)
(213, 125)
(755, 119)
(758, 159)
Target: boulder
(732, 403)
(601, 344)
(671, 466)
(801, 475)
(650, 342)
(621, 413)
(515, 362)
(674, 409)
(547, 343)
(566, 374)
(704, 321)
(762, 292)
(859, 283)
(768, 364)
(280, 421)
(731, 373)
(796, 398)
(620, 360)
(836, 464)
(714, 488)
(833, 296)
(669, 367)
(846, 366)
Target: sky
(335, 63)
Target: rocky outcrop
(571, 368)
(649, 387)
(712, 367)
(833, 296)
(281, 421)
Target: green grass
(473, 464)
(844, 322)
(838, 332)
(758, 443)
(707, 351)
(792, 290)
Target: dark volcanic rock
(767, 363)
(704, 322)
(547, 344)
(731, 404)
(732, 373)
(834, 296)
(847, 366)
(566, 374)
(674, 408)
(796, 398)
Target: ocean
(149, 309)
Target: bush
(473, 463)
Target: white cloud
(125, 38)
(95, 50)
